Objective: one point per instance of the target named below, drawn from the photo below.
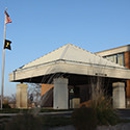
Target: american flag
(7, 18)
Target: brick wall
(45, 88)
(127, 59)
(127, 65)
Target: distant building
(121, 56)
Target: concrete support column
(21, 96)
(118, 94)
(60, 94)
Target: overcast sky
(39, 27)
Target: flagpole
(3, 65)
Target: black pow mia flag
(7, 44)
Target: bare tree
(34, 93)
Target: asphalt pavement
(124, 113)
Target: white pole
(3, 66)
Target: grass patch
(51, 121)
(28, 120)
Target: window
(116, 58)
(120, 59)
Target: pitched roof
(69, 59)
(70, 52)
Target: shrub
(6, 106)
(84, 118)
(99, 112)
(105, 113)
(102, 104)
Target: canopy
(68, 59)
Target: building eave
(116, 50)
(63, 66)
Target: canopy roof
(72, 60)
(72, 53)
